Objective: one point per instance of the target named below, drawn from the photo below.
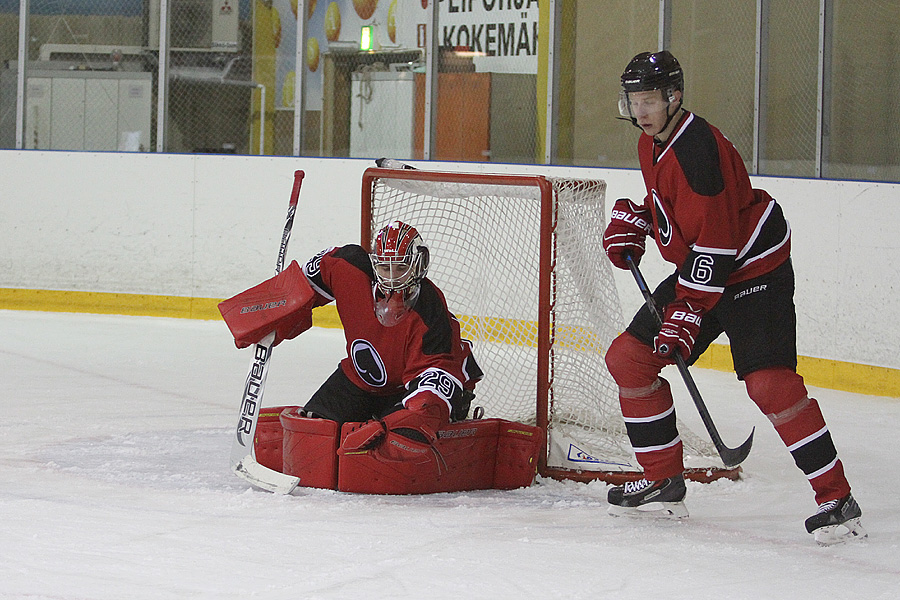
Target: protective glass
(391, 307)
(636, 104)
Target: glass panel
(862, 136)
(372, 103)
(487, 83)
(9, 50)
(598, 40)
(363, 103)
(715, 42)
(212, 84)
(87, 87)
(788, 123)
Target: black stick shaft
(731, 457)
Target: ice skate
(664, 498)
(836, 522)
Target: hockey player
(730, 245)
(407, 371)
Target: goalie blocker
(468, 455)
(282, 304)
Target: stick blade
(732, 457)
(263, 477)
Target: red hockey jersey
(707, 218)
(424, 350)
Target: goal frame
(545, 287)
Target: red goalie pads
(468, 455)
(310, 449)
(282, 304)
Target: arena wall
(170, 235)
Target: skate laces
(827, 507)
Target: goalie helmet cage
(520, 261)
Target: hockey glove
(681, 324)
(404, 433)
(629, 226)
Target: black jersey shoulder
(698, 154)
(431, 309)
(356, 256)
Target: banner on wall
(502, 35)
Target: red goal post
(521, 263)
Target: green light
(365, 39)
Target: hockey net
(521, 263)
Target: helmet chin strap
(670, 117)
(665, 125)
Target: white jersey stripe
(651, 418)
(674, 442)
(808, 439)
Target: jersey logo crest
(663, 225)
(368, 363)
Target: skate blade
(653, 510)
(839, 534)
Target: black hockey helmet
(650, 71)
(653, 71)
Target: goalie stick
(243, 454)
(732, 457)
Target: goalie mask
(399, 262)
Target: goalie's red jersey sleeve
(708, 220)
(424, 350)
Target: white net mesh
(485, 241)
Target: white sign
(501, 34)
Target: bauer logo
(259, 307)
(252, 390)
(456, 433)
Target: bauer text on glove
(629, 226)
(681, 324)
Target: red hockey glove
(681, 324)
(405, 433)
(629, 226)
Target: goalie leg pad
(268, 441)
(310, 449)
(518, 449)
(468, 455)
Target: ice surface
(114, 484)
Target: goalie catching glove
(629, 226)
(407, 433)
(681, 324)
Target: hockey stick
(732, 457)
(243, 454)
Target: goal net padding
(521, 263)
